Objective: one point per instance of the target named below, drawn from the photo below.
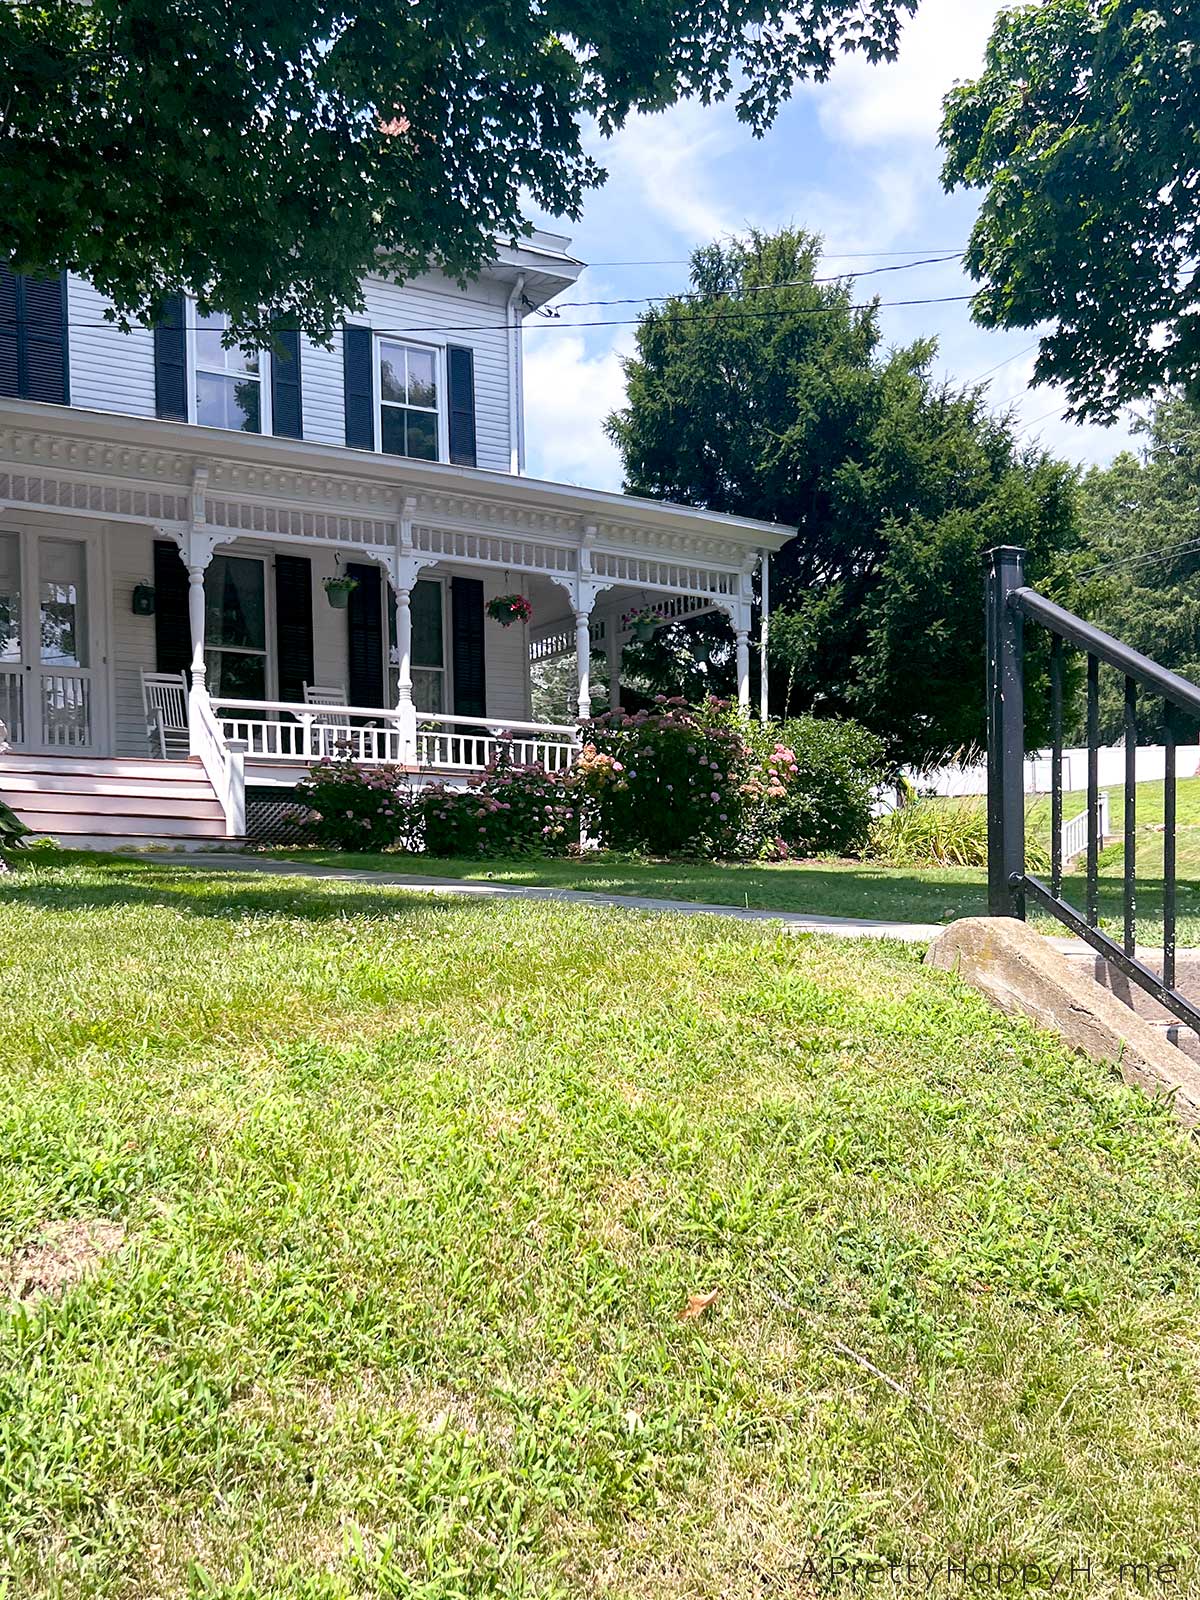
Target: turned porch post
(405, 708)
(195, 572)
(583, 658)
(743, 665)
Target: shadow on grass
(203, 892)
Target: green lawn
(395, 1200)
(825, 888)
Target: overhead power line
(564, 326)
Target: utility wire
(826, 255)
(756, 288)
(1146, 558)
(605, 322)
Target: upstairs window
(409, 400)
(228, 386)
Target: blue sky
(855, 160)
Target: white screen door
(48, 681)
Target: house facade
(215, 565)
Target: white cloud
(568, 393)
(867, 104)
(666, 161)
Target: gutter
(516, 393)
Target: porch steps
(102, 802)
(1187, 981)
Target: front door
(48, 682)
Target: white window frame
(438, 352)
(265, 419)
(393, 669)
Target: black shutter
(293, 625)
(466, 627)
(33, 338)
(287, 417)
(42, 340)
(170, 361)
(8, 334)
(364, 631)
(460, 368)
(360, 388)
(172, 630)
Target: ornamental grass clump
(359, 808)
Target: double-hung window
(229, 385)
(409, 400)
(235, 627)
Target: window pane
(234, 605)
(422, 390)
(422, 435)
(391, 432)
(228, 403)
(391, 371)
(426, 604)
(63, 607)
(427, 690)
(237, 677)
(10, 597)
(211, 354)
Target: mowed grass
(413, 1192)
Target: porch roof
(147, 450)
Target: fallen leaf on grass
(697, 1306)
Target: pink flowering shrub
(511, 810)
(810, 787)
(359, 808)
(666, 781)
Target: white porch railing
(468, 744)
(223, 759)
(1075, 832)
(283, 730)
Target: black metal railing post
(1006, 733)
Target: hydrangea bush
(510, 810)
(666, 781)
(812, 786)
(360, 808)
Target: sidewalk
(790, 921)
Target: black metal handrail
(1009, 605)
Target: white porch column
(764, 699)
(612, 650)
(583, 655)
(404, 688)
(743, 663)
(195, 572)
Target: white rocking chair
(328, 729)
(165, 701)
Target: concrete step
(1187, 976)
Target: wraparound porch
(191, 550)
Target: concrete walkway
(789, 921)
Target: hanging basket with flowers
(339, 589)
(644, 625)
(509, 608)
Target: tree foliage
(266, 154)
(1083, 130)
(771, 395)
(1141, 523)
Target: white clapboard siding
(132, 648)
(111, 371)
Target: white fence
(1151, 764)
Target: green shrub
(943, 833)
(359, 808)
(812, 787)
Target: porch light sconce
(143, 599)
